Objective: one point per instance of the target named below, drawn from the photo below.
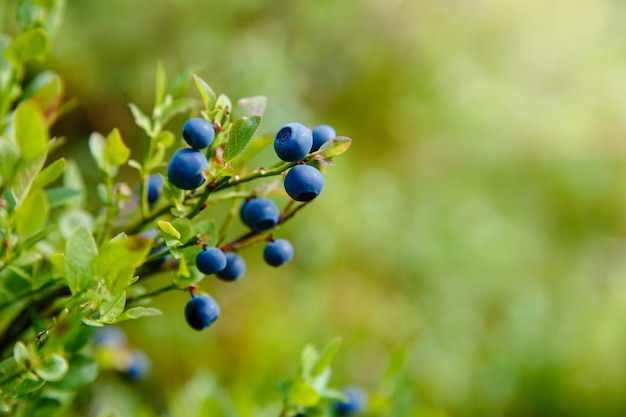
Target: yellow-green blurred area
(468, 248)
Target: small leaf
(168, 228)
(53, 369)
(116, 152)
(32, 44)
(138, 312)
(50, 173)
(59, 196)
(110, 310)
(73, 179)
(207, 231)
(80, 251)
(118, 259)
(83, 371)
(32, 214)
(326, 357)
(96, 147)
(206, 92)
(160, 84)
(71, 219)
(46, 89)
(58, 262)
(241, 133)
(9, 156)
(141, 119)
(21, 354)
(303, 395)
(250, 106)
(180, 83)
(30, 130)
(165, 137)
(334, 147)
(183, 226)
(308, 359)
(223, 102)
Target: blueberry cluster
(293, 142)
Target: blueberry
(259, 214)
(293, 142)
(210, 260)
(321, 135)
(198, 133)
(110, 336)
(356, 401)
(235, 267)
(185, 169)
(155, 188)
(201, 311)
(304, 182)
(278, 252)
(138, 365)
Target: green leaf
(43, 407)
(58, 262)
(326, 357)
(241, 132)
(46, 89)
(207, 231)
(206, 92)
(32, 214)
(223, 102)
(21, 354)
(22, 385)
(53, 369)
(80, 252)
(308, 359)
(250, 106)
(9, 156)
(96, 147)
(177, 106)
(59, 196)
(179, 85)
(303, 395)
(255, 146)
(116, 152)
(168, 228)
(165, 138)
(83, 371)
(141, 119)
(118, 259)
(72, 219)
(183, 226)
(334, 147)
(31, 134)
(110, 310)
(138, 312)
(30, 45)
(160, 84)
(73, 179)
(50, 173)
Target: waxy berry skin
(259, 214)
(201, 311)
(278, 252)
(185, 169)
(198, 133)
(210, 260)
(321, 135)
(293, 142)
(304, 182)
(235, 267)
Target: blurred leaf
(83, 371)
(96, 147)
(116, 152)
(30, 130)
(59, 196)
(33, 13)
(21, 354)
(46, 89)
(250, 106)
(53, 368)
(157, 157)
(206, 92)
(183, 227)
(180, 83)
(58, 262)
(50, 173)
(73, 179)
(308, 359)
(30, 45)
(32, 214)
(178, 106)
(206, 228)
(80, 251)
(117, 260)
(165, 137)
(21, 385)
(141, 119)
(43, 407)
(334, 147)
(326, 357)
(223, 101)
(71, 219)
(138, 312)
(160, 84)
(303, 395)
(241, 132)
(168, 228)
(9, 156)
(255, 146)
(111, 309)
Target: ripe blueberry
(201, 311)
(155, 188)
(304, 182)
(198, 133)
(293, 142)
(356, 401)
(259, 214)
(138, 365)
(278, 252)
(185, 169)
(321, 135)
(210, 260)
(235, 267)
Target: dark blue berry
(235, 267)
(293, 142)
(304, 182)
(259, 214)
(210, 260)
(356, 401)
(185, 169)
(198, 133)
(278, 252)
(321, 135)
(201, 311)
(155, 188)
(138, 365)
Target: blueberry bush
(70, 274)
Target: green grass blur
(468, 248)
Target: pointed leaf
(326, 357)
(160, 84)
(80, 251)
(32, 44)
(50, 173)
(96, 147)
(177, 106)
(206, 92)
(9, 156)
(110, 310)
(168, 228)
(138, 312)
(118, 259)
(32, 214)
(141, 119)
(303, 395)
(250, 106)
(116, 152)
(334, 147)
(30, 130)
(241, 133)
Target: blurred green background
(468, 249)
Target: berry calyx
(259, 214)
(293, 142)
(235, 267)
(198, 133)
(278, 252)
(201, 311)
(321, 135)
(210, 260)
(304, 182)
(185, 169)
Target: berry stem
(154, 293)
